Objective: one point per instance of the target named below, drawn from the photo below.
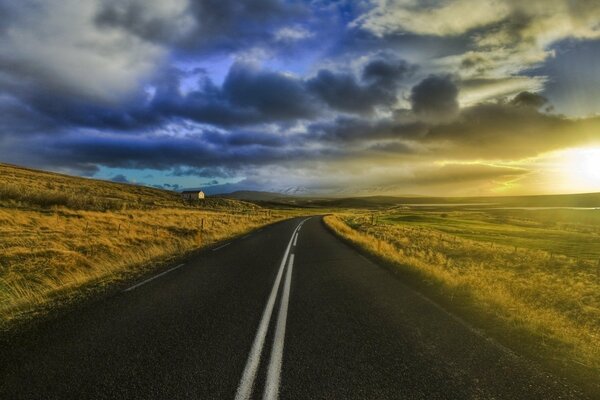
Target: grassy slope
(542, 296)
(59, 234)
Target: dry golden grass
(50, 249)
(553, 300)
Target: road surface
(287, 312)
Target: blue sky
(449, 97)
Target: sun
(582, 168)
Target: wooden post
(118, 229)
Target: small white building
(192, 195)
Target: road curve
(288, 312)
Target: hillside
(252, 195)
(24, 187)
(61, 234)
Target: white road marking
(244, 390)
(296, 239)
(274, 371)
(153, 278)
(220, 247)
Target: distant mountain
(295, 191)
(297, 197)
(555, 200)
(252, 195)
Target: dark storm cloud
(435, 98)
(153, 152)
(202, 25)
(528, 99)
(505, 131)
(248, 96)
(273, 94)
(133, 17)
(86, 84)
(231, 23)
(484, 131)
(348, 129)
(387, 72)
(343, 91)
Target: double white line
(244, 390)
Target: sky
(315, 97)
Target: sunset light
(582, 169)
(300, 199)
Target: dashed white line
(244, 390)
(153, 278)
(220, 247)
(296, 239)
(274, 371)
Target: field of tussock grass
(59, 234)
(544, 302)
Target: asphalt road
(269, 315)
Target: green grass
(574, 233)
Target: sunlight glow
(582, 168)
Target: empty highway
(287, 312)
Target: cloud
(290, 34)
(528, 99)
(270, 93)
(90, 63)
(343, 92)
(57, 47)
(514, 33)
(456, 173)
(249, 95)
(434, 18)
(352, 129)
(154, 21)
(490, 131)
(266, 91)
(435, 98)
(198, 152)
(506, 131)
(478, 90)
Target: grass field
(59, 234)
(531, 277)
